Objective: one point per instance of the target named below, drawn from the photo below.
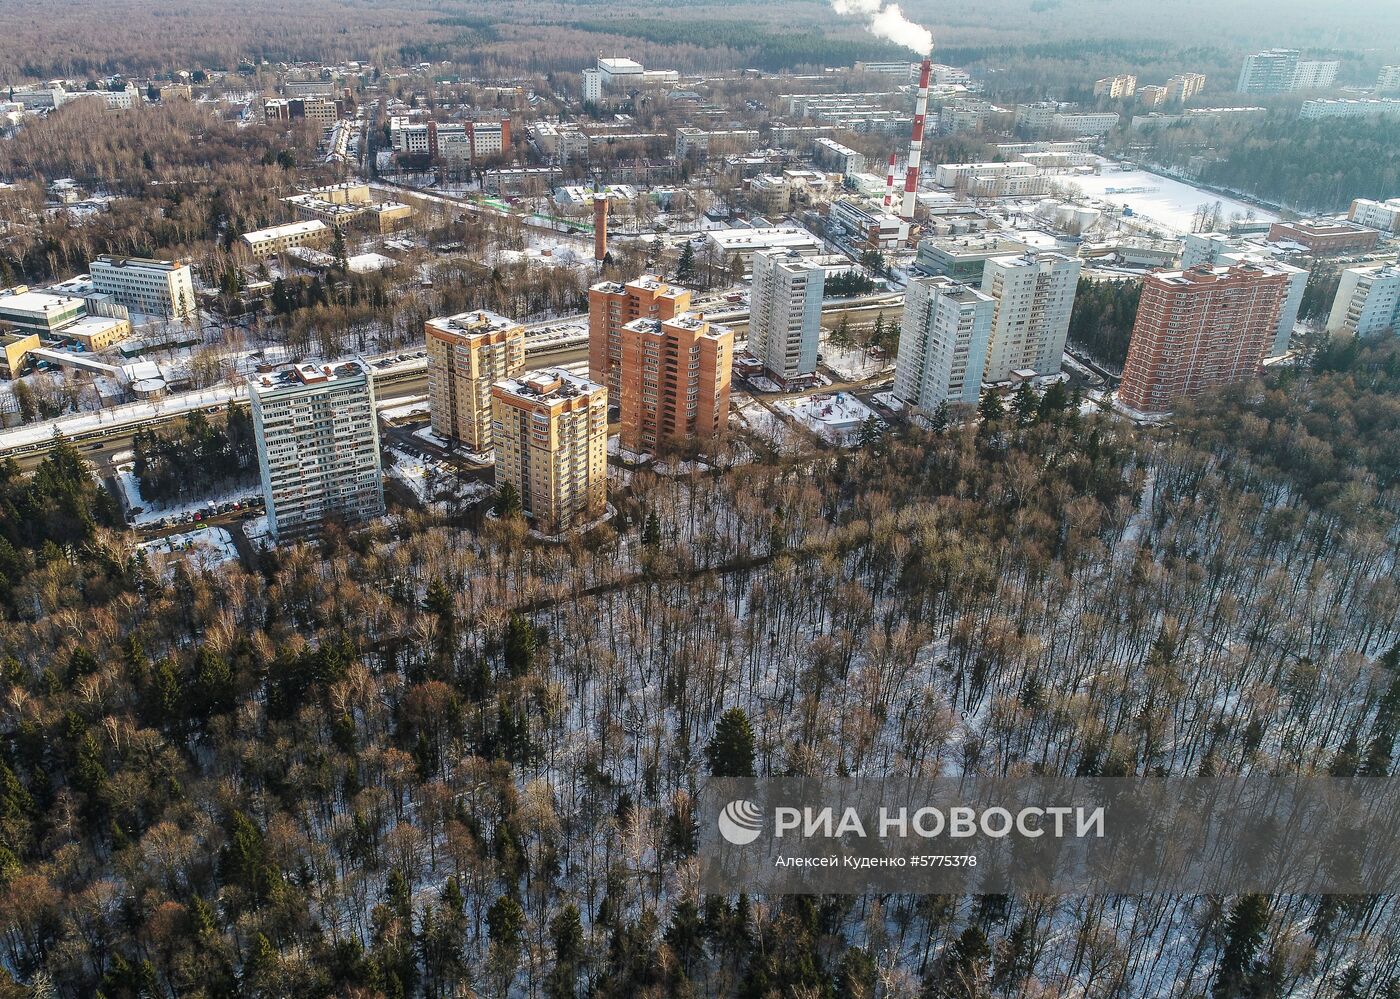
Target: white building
(1382, 215)
(592, 85)
(1084, 122)
(159, 288)
(1368, 301)
(785, 313)
(318, 446)
(943, 343)
(1389, 80)
(1269, 72)
(280, 238)
(1313, 74)
(1034, 293)
(866, 228)
(1350, 108)
(744, 243)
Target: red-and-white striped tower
(916, 141)
(889, 185)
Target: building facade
(1367, 302)
(161, 288)
(1034, 295)
(1382, 215)
(318, 446)
(550, 430)
(277, 239)
(674, 377)
(611, 306)
(467, 354)
(1325, 238)
(943, 341)
(785, 314)
(1116, 87)
(1197, 330)
(1269, 72)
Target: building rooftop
(289, 229)
(547, 385)
(475, 323)
(147, 262)
(37, 302)
(299, 375)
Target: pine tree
(685, 267)
(731, 751)
(1244, 932)
(507, 501)
(990, 408)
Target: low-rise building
(1382, 215)
(743, 243)
(964, 258)
(14, 352)
(866, 227)
(835, 156)
(97, 333)
(1325, 239)
(992, 180)
(40, 312)
(1350, 108)
(277, 239)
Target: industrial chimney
(889, 185)
(600, 227)
(916, 141)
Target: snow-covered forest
(435, 760)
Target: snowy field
(1170, 203)
(836, 418)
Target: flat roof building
(1197, 330)
(550, 432)
(675, 377)
(785, 314)
(40, 312)
(943, 342)
(467, 354)
(611, 306)
(1034, 295)
(277, 239)
(160, 288)
(1325, 238)
(1367, 302)
(318, 446)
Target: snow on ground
(853, 364)
(836, 417)
(426, 434)
(416, 406)
(764, 384)
(1168, 202)
(432, 481)
(367, 263)
(152, 512)
(204, 547)
(759, 420)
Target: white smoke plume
(888, 22)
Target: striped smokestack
(889, 185)
(916, 141)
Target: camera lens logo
(741, 822)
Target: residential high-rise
(1367, 302)
(1116, 87)
(942, 343)
(1315, 74)
(1034, 293)
(1269, 72)
(551, 440)
(785, 313)
(675, 377)
(318, 446)
(1184, 86)
(612, 306)
(1388, 82)
(159, 288)
(1199, 329)
(467, 354)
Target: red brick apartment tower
(1198, 329)
(612, 306)
(675, 381)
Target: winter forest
(444, 759)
